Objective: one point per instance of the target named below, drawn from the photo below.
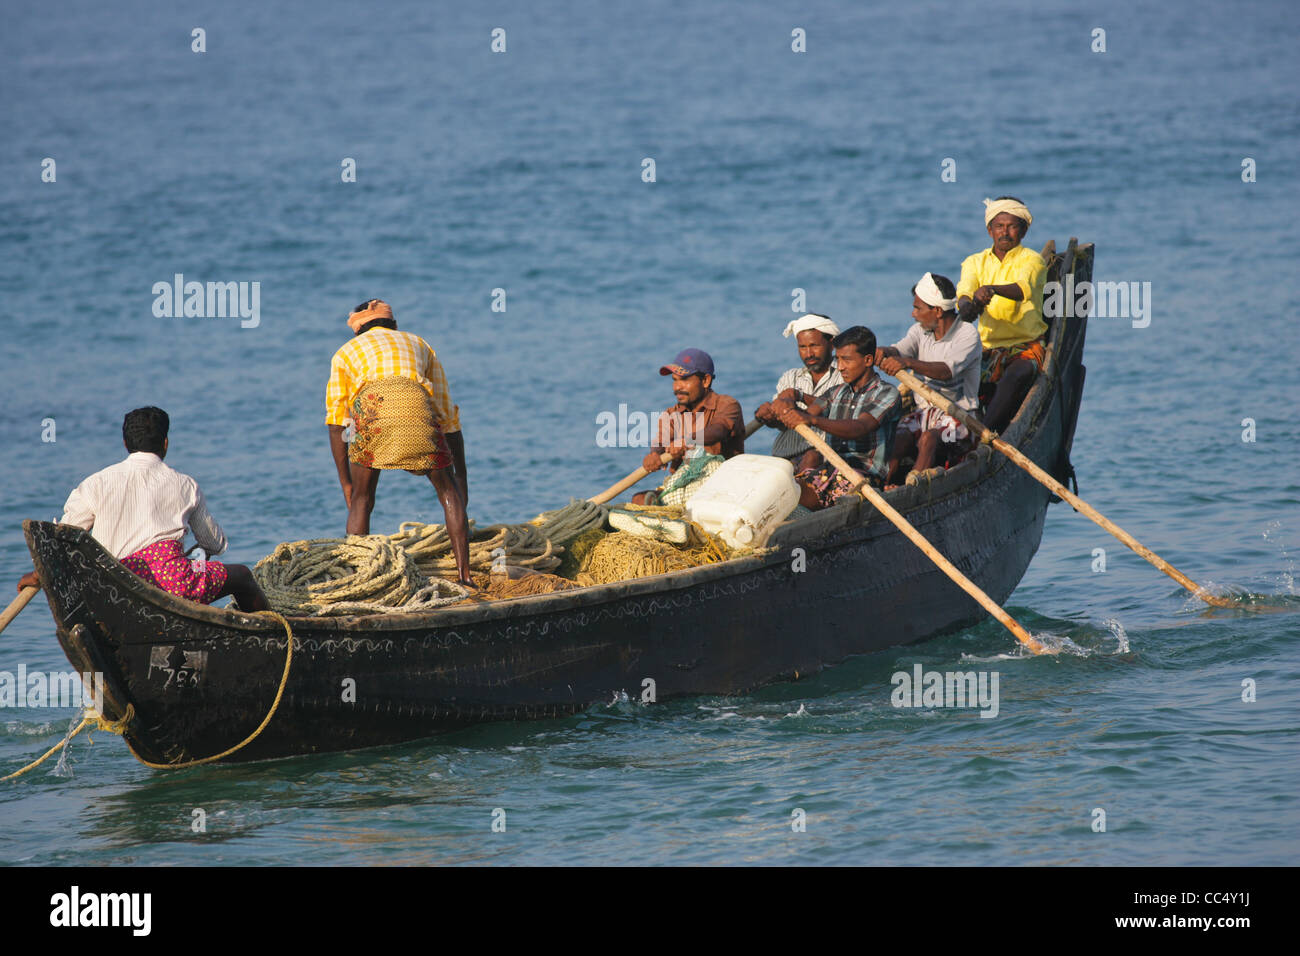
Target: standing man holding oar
(390, 387)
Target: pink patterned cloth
(164, 564)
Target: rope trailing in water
(88, 718)
(119, 727)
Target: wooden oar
(1058, 489)
(614, 490)
(16, 605)
(931, 552)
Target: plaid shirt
(380, 353)
(879, 400)
(789, 443)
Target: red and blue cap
(689, 362)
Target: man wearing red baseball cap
(700, 417)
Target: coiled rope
(429, 546)
(409, 571)
(359, 574)
(100, 722)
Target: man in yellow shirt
(388, 407)
(1005, 283)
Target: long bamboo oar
(16, 605)
(615, 489)
(1058, 489)
(931, 552)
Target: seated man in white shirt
(944, 353)
(818, 376)
(139, 509)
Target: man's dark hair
(945, 286)
(145, 429)
(859, 336)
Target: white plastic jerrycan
(745, 499)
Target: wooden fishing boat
(837, 583)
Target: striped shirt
(789, 443)
(878, 399)
(380, 353)
(139, 502)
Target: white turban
(928, 292)
(993, 207)
(818, 323)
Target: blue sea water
(774, 171)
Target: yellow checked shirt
(1005, 321)
(380, 353)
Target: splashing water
(1286, 596)
(1286, 577)
(1246, 600)
(1053, 644)
(1121, 636)
(63, 768)
(1056, 645)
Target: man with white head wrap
(1005, 284)
(816, 377)
(944, 353)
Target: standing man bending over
(1005, 281)
(139, 509)
(945, 354)
(390, 386)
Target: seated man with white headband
(1005, 282)
(944, 354)
(816, 377)
(860, 417)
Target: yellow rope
(119, 726)
(91, 716)
(284, 680)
